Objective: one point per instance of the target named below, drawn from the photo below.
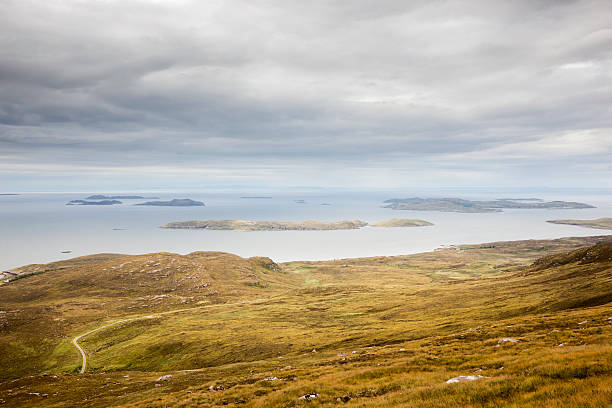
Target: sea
(40, 227)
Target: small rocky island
(118, 197)
(469, 206)
(401, 222)
(183, 202)
(85, 202)
(244, 225)
(599, 223)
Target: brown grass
(388, 331)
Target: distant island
(401, 222)
(600, 223)
(243, 225)
(8, 194)
(183, 202)
(521, 199)
(84, 202)
(468, 206)
(118, 197)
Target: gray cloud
(262, 90)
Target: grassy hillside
(375, 332)
(42, 311)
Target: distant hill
(468, 206)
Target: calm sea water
(35, 228)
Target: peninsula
(244, 225)
(599, 223)
(84, 202)
(183, 202)
(468, 206)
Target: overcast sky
(262, 93)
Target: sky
(142, 95)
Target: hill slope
(532, 318)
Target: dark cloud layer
(305, 93)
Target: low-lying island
(245, 225)
(599, 223)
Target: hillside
(53, 300)
(532, 318)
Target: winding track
(149, 316)
(76, 339)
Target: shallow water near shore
(37, 227)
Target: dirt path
(75, 340)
